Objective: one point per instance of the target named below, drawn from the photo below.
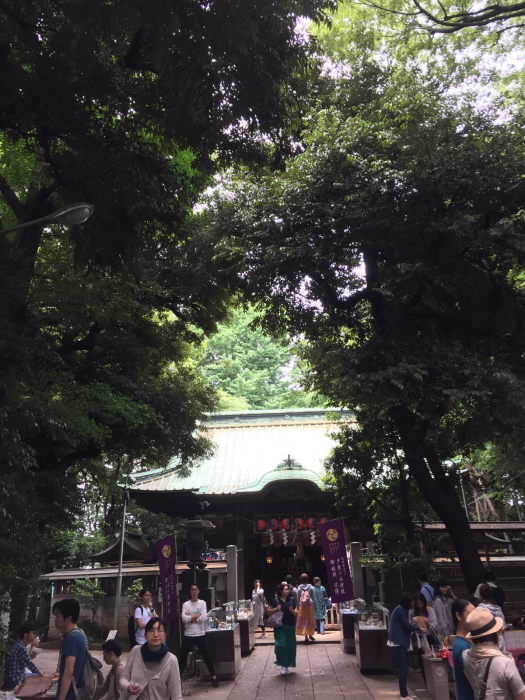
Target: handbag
(276, 619)
(328, 603)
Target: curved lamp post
(70, 214)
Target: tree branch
(460, 20)
(10, 197)
(331, 296)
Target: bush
(92, 629)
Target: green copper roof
(249, 448)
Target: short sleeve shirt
(465, 691)
(288, 617)
(74, 644)
(145, 615)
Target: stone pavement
(329, 637)
(323, 672)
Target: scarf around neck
(149, 655)
(484, 650)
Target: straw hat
(482, 622)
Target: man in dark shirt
(19, 660)
(74, 647)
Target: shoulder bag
(483, 689)
(276, 619)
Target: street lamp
(69, 215)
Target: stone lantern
(195, 541)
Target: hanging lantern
(311, 523)
(273, 524)
(298, 523)
(322, 557)
(286, 524)
(323, 519)
(269, 559)
(261, 525)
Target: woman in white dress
(259, 605)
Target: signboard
(339, 579)
(168, 577)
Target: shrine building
(262, 489)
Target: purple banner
(168, 577)
(336, 560)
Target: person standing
(143, 614)
(503, 681)
(426, 588)
(461, 609)
(421, 609)
(259, 606)
(498, 593)
(112, 653)
(319, 605)
(443, 608)
(304, 596)
(488, 602)
(19, 664)
(285, 642)
(73, 650)
(151, 671)
(292, 589)
(399, 639)
(193, 616)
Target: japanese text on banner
(334, 549)
(168, 577)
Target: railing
(332, 618)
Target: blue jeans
(401, 658)
(320, 625)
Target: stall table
(247, 627)
(225, 651)
(371, 648)
(347, 621)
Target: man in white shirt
(193, 615)
(143, 614)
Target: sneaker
(263, 636)
(287, 671)
(214, 683)
(283, 670)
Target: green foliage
(252, 369)
(155, 526)
(131, 110)
(90, 595)
(132, 594)
(389, 243)
(92, 630)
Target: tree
(252, 369)
(390, 243)
(131, 109)
(90, 595)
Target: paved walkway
(323, 672)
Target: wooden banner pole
(177, 588)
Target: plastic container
(436, 672)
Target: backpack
(91, 678)
(132, 629)
(305, 596)
(499, 596)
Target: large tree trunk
(438, 490)
(18, 609)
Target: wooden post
(177, 588)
